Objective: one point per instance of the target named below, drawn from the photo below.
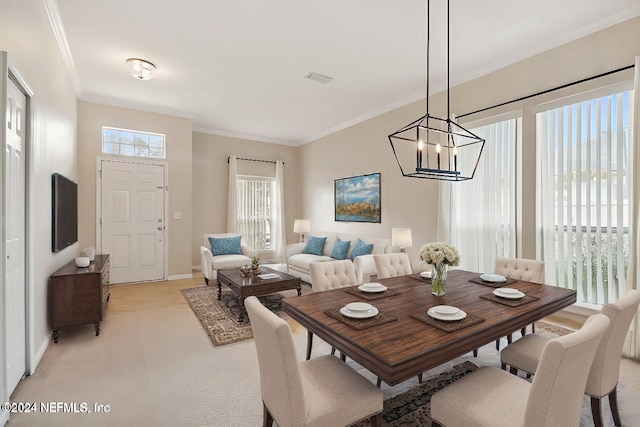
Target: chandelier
(440, 148)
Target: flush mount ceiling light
(141, 69)
(318, 78)
(440, 148)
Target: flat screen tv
(64, 196)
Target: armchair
(210, 264)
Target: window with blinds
(583, 165)
(254, 211)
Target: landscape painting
(357, 198)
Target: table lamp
(301, 226)
(401, 237)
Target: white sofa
(211, 264)
(298, 263)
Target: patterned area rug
(413, 407)
(219, 318)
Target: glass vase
(438, 279)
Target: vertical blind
(583, 201)
(254, 211)
(484, 208)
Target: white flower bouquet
(438, 253)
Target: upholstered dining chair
(330, 275)
(391, 265)
(525, 353)
(530, 270)
(322, 391)
(495, 398)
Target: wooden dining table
(405, 346)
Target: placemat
(479, 281)
(421, 279)
(372, 295)
(359, 324)
(471, 319)
(510, 302)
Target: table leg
(56, 332)
(299, 291)
(241, 309)
(219, 290)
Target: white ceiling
(237, 67)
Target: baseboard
(33, 364)
(180, 277)
(196, 267)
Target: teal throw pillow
(314, 246)
(360, 248)
(340, 249)
(225, 245)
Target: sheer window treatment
(483, 210)
(583, 202)
(633, 277)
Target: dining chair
(391, 265)
(493, 397)
(330, 275)
(530, 270)
(525, 353)
(318, 392)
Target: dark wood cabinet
(78, 296)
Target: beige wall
(408, 202)
(211, 180)
(91, 118)
(25, 33)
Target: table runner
(479, 281)
(448, 326)
(510, 302)
(369, 296)
(378, 319)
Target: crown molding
(51, 6)
(249, 137)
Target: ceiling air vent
(318, 78)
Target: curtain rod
(253, 160)
(549, 90)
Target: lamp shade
(401, 237)
(301, 226)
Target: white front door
(133, 222)
(15, 262)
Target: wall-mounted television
(64, 197)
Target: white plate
(508, 294)
(359, 314)
(445, 309)
(447, 317)
(372, 287)
(358, 306)
(493, 278)
(426, 274)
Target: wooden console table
(77, 296)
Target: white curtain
(482, 220)
(232, 205)
(280, 232)
(633, 273)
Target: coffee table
(250, 285)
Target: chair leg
(498, 344)
(475, 353)
(523, 331)
(420, 377)
(513, 370)
(509, 338)
(343, 357)
(376, 420)
(613, 402)
(379, 382)
(333, 351)
(267, 419)
(503, 366)
(533, 328)
(206, 281)
(596, 411)
(309, 344)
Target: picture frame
(357, 198)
